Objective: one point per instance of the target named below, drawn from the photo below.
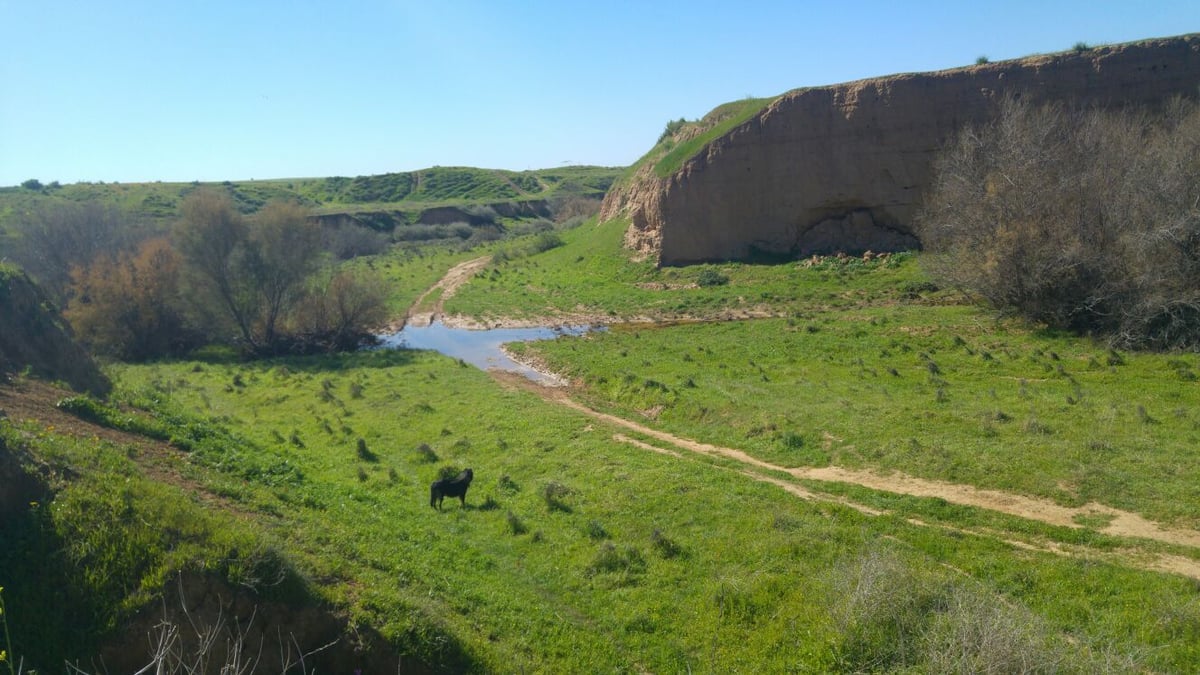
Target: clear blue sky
(174, 90)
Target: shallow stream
(480, 348)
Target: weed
(791, 440)
(426, 454)
(515, 525)
(611, 559)
(507, 485)
(553, 493)
(595, 531)
(6, 655)
(666, 547)
(1144, 417)
(364, 453)
(709, 277)
(1033, 426)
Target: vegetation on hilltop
(680, 142)
(408, 192)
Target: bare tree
(343, 312)
(285, 249)
(212, 238)
(1083, 220)
(56, 237)
(249, 273)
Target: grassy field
(937, 392)
(591, 276)
(582, 549)
(582, 553)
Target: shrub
(1082, 220)
(515, 524)
(364, 453)
(711, 277)
(893, 614)
(981, 59)
(448, 471)
(553, 493)
(665, 546)
(611, 559)
(594, 530)
(426, 454)
(544, 242)
(671, 129)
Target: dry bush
(129, 305)
(895, 612)
(1087, 221)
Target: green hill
(402, 195)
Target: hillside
(844, 167)
(37, 341)
(380, 201)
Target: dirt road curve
(1122, 523)
(420, 314)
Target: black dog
(450, 487)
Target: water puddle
(480, 348)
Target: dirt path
(420, 315)
(37, 401)
(1122, 523)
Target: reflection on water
(480, 348)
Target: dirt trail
(418, 315)
(1122, 523)
(37, 401)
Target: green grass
(412, 270)
(938, 392)
(747, 576)
(868, 365)
(75, 567)
(717, 123)
(582, 553)
(591, 275)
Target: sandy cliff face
(843, 167)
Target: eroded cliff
(843, 167)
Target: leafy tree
(32, 184)
(212, 237)
(248, 274)
(284, 250)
